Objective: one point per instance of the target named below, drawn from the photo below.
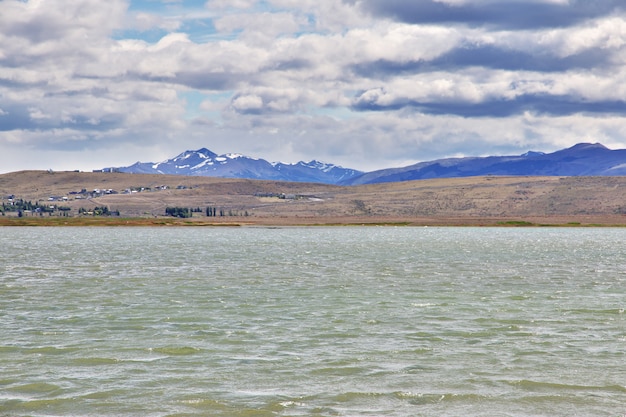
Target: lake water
(343, 321)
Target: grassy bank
(105, 221)
(54, 221)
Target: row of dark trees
(214, 212)
(98, 211)
(184, 212)
(21, 206)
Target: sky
(365, 84)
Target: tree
(182, 212)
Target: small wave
(435, 398)
(421, 305)
(95, 361)
(9, 349)
(555, 386)
(341, 371)
(49, 350)
(205, 404)
(213, 407)
(416, 369)
(101, 395)
(357, 396)
(176, 351)
(14, 407)
(147, 360)
(286, 404)
(532, 353)
(35, 388)
(519, 297)
(411, 398)
(608, 311)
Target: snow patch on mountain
(203, 162)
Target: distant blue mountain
(203, 162)
(583, 159)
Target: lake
(317, 321)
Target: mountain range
(583, 159)
(203, 162)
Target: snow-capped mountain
(203, 162)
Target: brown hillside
(476, 200)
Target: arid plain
(492, 200)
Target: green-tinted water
(312, 322)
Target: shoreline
(278, 221)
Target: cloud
(247, 104)
(225, 4)
(509, 14)
(536, 104)
(260, 27)
(367, 83)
